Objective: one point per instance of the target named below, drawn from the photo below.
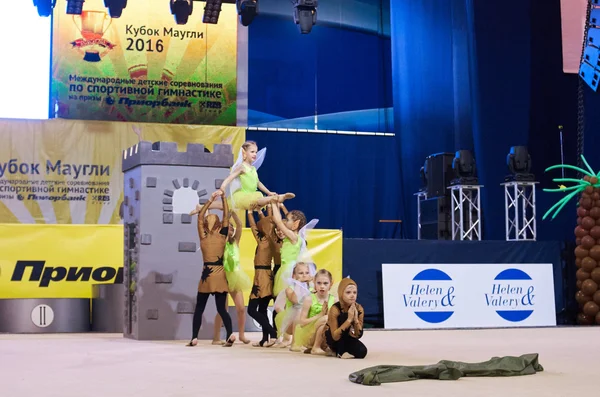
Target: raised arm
(282, 206)
(253, 227)
(234, 174)
(201, 231)
(238, 227)
(279, 223)
(225, 212)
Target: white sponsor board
(468, 295)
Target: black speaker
(436, 219)
(438, 169)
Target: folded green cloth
(527, 364)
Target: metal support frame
(519, 211)
(466, 212)
(421, 196)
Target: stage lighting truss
(589, 69)
(44, 7)
(519, 211)
(466, 212)
(305, 14)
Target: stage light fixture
(518, 161)
(247, 10)
(74, 7)
(465, 170)
(181, 9)
(305, 14)
(44, 7)
(115, 7)
(212, 10)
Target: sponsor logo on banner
(431, 296)
(512, 295)
(468, 295)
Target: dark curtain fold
(483, 76)
(348, 182)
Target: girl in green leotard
(245, 184)
(310, 326)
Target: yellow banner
(64, 261)
(69, 172)
(143, 66)
(324, 246)
(58, 261)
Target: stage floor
(99, 365)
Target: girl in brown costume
(262, 290)
(345, 323)
(213, 235)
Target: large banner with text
(144, 67)
(64, 261)
(69, 172)
(468, 295)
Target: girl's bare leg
(316, 348)
(238, 299)
(280, 198)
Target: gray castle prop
(163, 263)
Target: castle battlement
(166, 153)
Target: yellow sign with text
(58, 261)
(64, 261)
(69, 172)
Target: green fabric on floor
(527, 364)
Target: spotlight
(305, 14)
(518, 161)
(182, 9)
(115, 7)
(247, 10)
(212, 10)
(465, 170)
(44, 7)
(74, 7)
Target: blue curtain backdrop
(341, 71)
(347, 182)
(484, 76)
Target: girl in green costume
(293, 230)
(310, 326)
(237, 281)
(289, 303)
(244, 184)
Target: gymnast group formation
(309, 316)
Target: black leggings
(221, 302)
(257, 309)
(346, 344)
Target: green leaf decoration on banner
(580, 185)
